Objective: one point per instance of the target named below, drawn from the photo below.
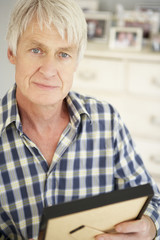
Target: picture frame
(155, 42)
(99, 23)
(148, 21)
(85, 218)
(89, 5)
(124, 38)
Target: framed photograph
(124, 38)
(155, 42)
(85, 218)
(89, 5)
(98, 25)
(148, 21)
(152, 12)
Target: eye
(36, 51)
(64, 55)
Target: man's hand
(143, 229)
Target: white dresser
(131, 82)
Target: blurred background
(121, 66)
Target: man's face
(45, 65)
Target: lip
(45, 86)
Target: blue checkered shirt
(95, 154)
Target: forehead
(46, 35)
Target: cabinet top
(101, 50)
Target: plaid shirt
(95, 154)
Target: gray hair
(66, 15)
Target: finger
(131, 226)
(118, 236)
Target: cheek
(21, 66)
(67, 77)
(25, 70)
(69, 71)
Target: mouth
(46, 86)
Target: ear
(11, 56)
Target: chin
(46, 102)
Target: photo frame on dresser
(124, 38)
(148, 20)
(89, 5)
(98, 23)
(155, 42)
(86, 218)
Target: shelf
(101, 50)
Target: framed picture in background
(155, 42)
(148, 21)
(89, 5)
(124, 38)
(98, 25)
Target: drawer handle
(155, 120)
(155, 159)
(156, 82)
(86, 75)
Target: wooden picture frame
(98, 25)
(124, 38)
(148, 21)
(86, 218)
(89, 5)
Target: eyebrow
(43, 46)
(67, 49)
(36, 44)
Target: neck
(44, 125)
(41, 117)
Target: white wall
(6, 69)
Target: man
(57, 145)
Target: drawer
(150, 153)
(99, 74)
(144, 78)
(142, 117)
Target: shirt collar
(9, 110)
(76, 106)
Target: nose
(48, 67)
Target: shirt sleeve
(130, 170)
